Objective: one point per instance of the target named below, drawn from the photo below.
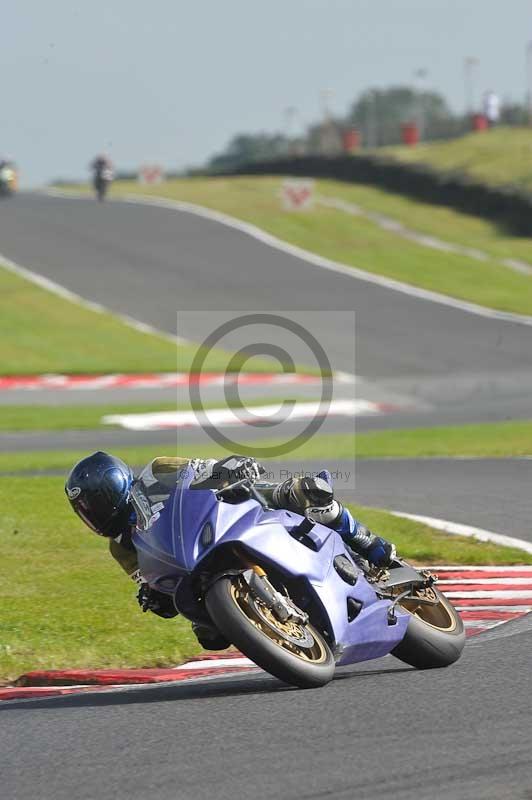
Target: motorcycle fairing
(172, 548)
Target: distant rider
(99, 491)
(103, 173)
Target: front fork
(262, 589)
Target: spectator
(492, 107)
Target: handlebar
(258, 497)
(224, 489)
(250, 486)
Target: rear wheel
(100, 186)
(435, 636)
(293, 652)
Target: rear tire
(238, 616)
(435, 636)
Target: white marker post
(297, 194)
(150, 174)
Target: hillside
(499, 156)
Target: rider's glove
(237, 468)
(151, 600)
(202, 468)
(240, 468)
(380, 552)
(228, 471)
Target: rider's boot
(376, 550)
(209, 637)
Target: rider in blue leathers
(99, 487)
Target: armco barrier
(505, 205)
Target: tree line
(377, 114)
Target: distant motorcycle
(8, 180)
(102, 181)
(287, 592)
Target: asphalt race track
(151, 262)
(379, 729)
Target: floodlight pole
(326, 96)
(420, 76)
(470, 63)
(372, 138)
(290, 117)
(528, 63)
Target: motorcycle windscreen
(172, 522)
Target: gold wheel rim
(440, 616)
(276, 630)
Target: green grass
(499, 156)
(69, 605)
(488, 440)
(61, 418)
(423, 545)
(42, 333)
(443, 223)
(45, 460)
(356, 241)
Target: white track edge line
(65, 294)
(471, 568)
(458, 529)
(320, 261)
(143, 327)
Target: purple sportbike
(285, 591)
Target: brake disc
(293, 632)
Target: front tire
(435, 636)
(292, 652)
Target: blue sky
(172, 81)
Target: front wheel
(435, 636)
(100, 187)
(293, 652)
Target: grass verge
(487, 440)
(62, 418)
(42, 333)
(358, 242)
(71, 606)
(499, 156)
(432, 220)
